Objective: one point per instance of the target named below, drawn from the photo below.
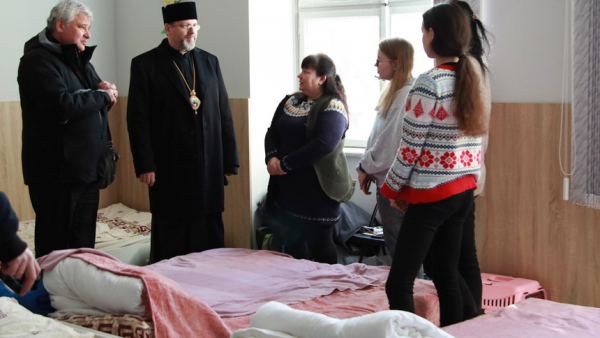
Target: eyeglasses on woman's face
(382, 60)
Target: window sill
(353, 152)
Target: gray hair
(67, 10)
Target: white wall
(224, 33)
(21, 20)
(527, 56)
(271, 77)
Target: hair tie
(474, 17)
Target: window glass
(408, 26)
(352, 42)
(349, 31)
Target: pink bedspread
(237, 282)
(532, 318)
(170, 306)
(354, 303)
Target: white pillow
(74, 284)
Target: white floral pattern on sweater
(433, 150)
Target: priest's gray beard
(189, 45)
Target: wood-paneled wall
(524, 227)
(127, 189)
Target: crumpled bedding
(276, 320)
(117, 226)
(16, 321)
(236, 282)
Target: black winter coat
(190, 153)
(64, 115)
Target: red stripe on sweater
(439, 193)
(449, 67)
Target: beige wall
(524, 227)
(127, 189)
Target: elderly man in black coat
(65, 129)
(182, 137)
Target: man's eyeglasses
(188, 27)
(378, 61)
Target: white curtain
(585, 158)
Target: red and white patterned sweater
(435, 160)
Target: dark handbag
(111, 156)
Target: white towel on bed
(275, 318)
(76, 287)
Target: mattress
(117, 226)
(532, 318)
(130, 326)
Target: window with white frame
(349, 31)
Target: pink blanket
(532, 318)
(237, 282)
(174, 313)
(354, 303)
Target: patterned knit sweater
(435, 159)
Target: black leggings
(303, 239)
(426, 224)
(468, 267)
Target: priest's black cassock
(190, 152)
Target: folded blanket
(275, 318)
(173, 311)
(17, 321)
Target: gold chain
(183, 77)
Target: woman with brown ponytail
(438, 163)
(468, 265)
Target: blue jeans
(442, 220)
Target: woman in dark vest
(304, 156)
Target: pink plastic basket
(501, 291)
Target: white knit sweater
(435, 160)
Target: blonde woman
(394, 64)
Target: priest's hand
(148, 178)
